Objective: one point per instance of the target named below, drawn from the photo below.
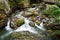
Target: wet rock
(37, 22)
(32, 24)
(3, 18)
(16, 22)
(45, 24)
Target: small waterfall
(26, 27)
(9, 30)
(41, 27)
(8, 26)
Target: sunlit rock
(16, 22)
(30, 13)
(5, 6)
(37, 22)
(34, 12)
(26, 14)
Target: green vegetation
(12, 4)
(53, 11)
(56, 32)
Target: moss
(53, 11)
(57, 19)
(19, 21)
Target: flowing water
(5, 33)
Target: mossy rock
(27, 14)
(17, 22)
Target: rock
(30, 13)
(52, 20)
(26, 14)
(34, 12)
(37, 22)
(48, 20)
(3, 18)
(16, 22)
(23, 3)
(50, 31)
(32, 24)
(53, 26)
(5, 6)
(33, 18)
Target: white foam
(41, 27)
(26, 27)
(8, 26)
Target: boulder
(32, 24)
(3, 18)
(37, 22)
(30, 13)
(4, 4)
(27, 14)
(16, 22)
